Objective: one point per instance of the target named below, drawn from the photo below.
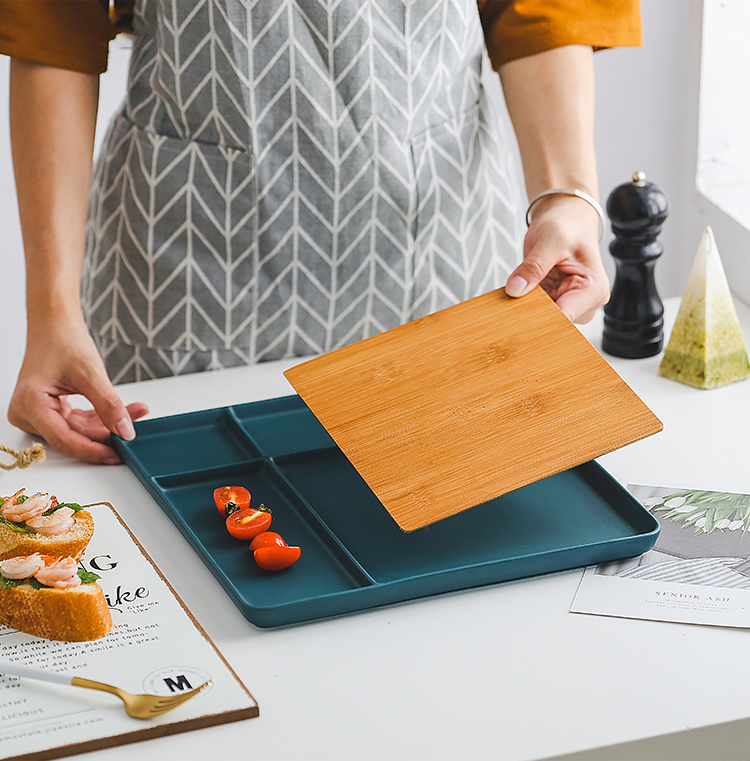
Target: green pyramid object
(706, 349)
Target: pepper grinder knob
(634, 316)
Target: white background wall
(646, 114)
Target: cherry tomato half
(248, 522)
(276, 558)
(229, 499)
(267, 539)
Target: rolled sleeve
(68, 34)
(519, 28)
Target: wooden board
(474, 401)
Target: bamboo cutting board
(463, 405)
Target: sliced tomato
(248, 522)
(267, 539)
(229, 499)
(276, 558)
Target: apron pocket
(170, 242)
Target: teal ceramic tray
(354, 556)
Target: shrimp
(9, 503)
(61, 573)
(21, 567)
(13, 510)
(61, 520)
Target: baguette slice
(72, 615)
(70, 543)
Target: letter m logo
(178, 685)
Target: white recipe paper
(698, 571)
(156, 647)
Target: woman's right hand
(59, 362)
(53, 123)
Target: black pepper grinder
(634, 316)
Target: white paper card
(698, 571)
(155, 647)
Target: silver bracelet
(570, 192)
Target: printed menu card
(155, 647)
(698, 572)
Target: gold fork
(137, 706)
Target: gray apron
(289, 176)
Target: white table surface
(503, 672)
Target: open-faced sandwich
(52, 597)
(38, 523)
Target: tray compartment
(580, 512)
(282, 426)
(186, 443)
(323, 568)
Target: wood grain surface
(466, 404)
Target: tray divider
(157, 477)
(236, 424)
(319, 526)
(313, 520)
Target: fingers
(47, 420)
(555, 243)
(548, 245)
(529, 273)
(562, 256)
(73, 432)
(54, 369)
(107, 404)
(86, 427)
(137, 410)
(69, 442)
(87, 422)
(576, 306)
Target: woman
(285, 178)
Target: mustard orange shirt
(75, 34)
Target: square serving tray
(354, 555)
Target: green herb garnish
(10, 583)
(88, 577)
(22, 499)
(75, 507)
(19, 528)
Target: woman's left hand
(550, 97)
(561, 254)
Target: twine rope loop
(25, 457)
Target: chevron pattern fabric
(289, 176)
